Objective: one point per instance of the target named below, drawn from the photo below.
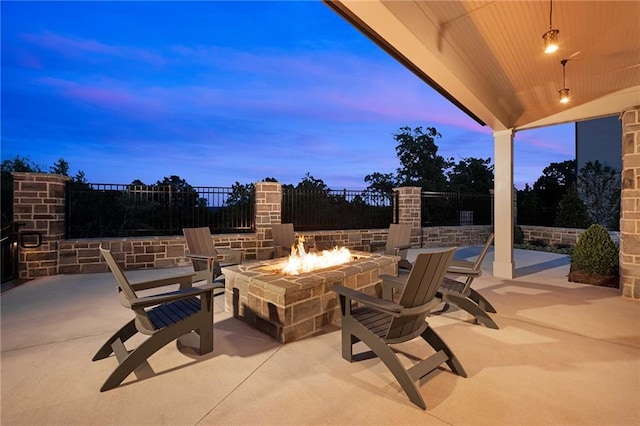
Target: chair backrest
(283, 235)
(420, 289)
(126, 293)
(483, 253)
(399, 235)
(199, 241)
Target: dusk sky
(219, 92)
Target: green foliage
(518, 235)
(17, 164)
(556, 180)
(572, 212)
(471, 175)
(60, 167)
(600, 192)
(595, 252)
(529, 206)
(420, 163)
(380, 182)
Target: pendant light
(551, 37)
(564, 92)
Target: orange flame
(300, 261)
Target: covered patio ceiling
(487, 56)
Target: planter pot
(577, 276)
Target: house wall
(599, 139)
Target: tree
(599, 190)
(18, 164)
(572, 212)
(473, 175)
(420, 163)
(308, 182)
(529, 206)
(240, 194)
(555, 182)
(380, 182)
(60, 167)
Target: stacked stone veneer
(291, 307)
(630, 209)
(39, 205)
(39, 209)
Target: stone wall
(551, 235)
(630, 207)
(39, 211)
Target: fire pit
(289, 307)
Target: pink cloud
(73, 47)
(114, 98)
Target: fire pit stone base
(291, 307)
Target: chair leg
(390, 359)
(484, 304)
(147, 348)
(124, 334)
(466, 304)
(432, 338)
(205, 318)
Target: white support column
(503, 204)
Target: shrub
(518, 235)
(595, 252)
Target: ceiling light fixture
(564, 92)
(551, 37)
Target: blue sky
(219, 92)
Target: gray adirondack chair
(379, 322)
(397, 243)
(461, 294)
(283, 238)
(205, 257)
(163, 317)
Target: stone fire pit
(290, 307)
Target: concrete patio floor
(565, 354)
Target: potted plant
(595, 259)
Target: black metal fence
(456, 209)
(115, 210)
(337, 209)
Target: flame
(300, 261)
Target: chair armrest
(452, 270)
(235, 255)
(403, 247)
(184, 279)
(397, 283)
(373, 302)
(462, 264)
(199, 256)
(156, 299)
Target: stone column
(630, 208)
(268, 212)
(39, 204)
(410, 210)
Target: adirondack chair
(397, 243)
(205, 256)
(283, 238)
(462, 294)
(163, 317)
(379, 322)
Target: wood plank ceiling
(488, 57)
